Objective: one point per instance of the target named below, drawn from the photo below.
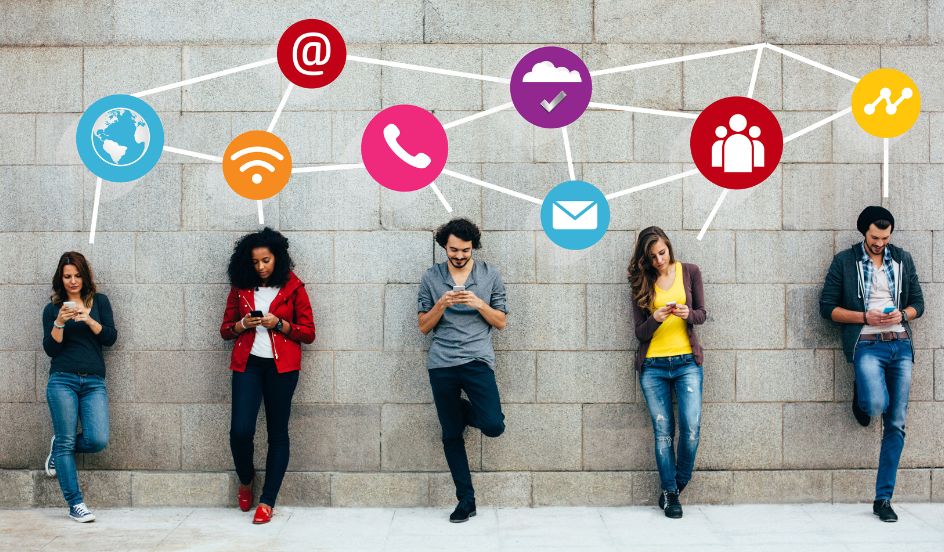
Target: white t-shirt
(262, 346)
(879, 298)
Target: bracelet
(57, 325)
(865, 318)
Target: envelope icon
(574, 215)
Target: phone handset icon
(420, 160)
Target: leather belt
(884, 336)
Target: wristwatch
(904, 315)
(278, 325)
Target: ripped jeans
(659, 377)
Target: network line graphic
(736, 142)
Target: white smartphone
(69, 304)
(671, 304)
(458, 288)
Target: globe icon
(120, 137)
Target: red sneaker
(263, 514)
(244, 496)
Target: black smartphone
(256, 314)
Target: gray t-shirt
(462, 334)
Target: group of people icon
(735, 152)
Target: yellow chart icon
(886, 103)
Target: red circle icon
(736, 142)
(311, 53)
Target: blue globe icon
(120, 138)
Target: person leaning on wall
(269, 314)
(77, 323)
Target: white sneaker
(50, 465)
(81, 513)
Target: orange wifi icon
(257, 164)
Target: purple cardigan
(646, 325)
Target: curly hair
(641, 274)
(462, 228)
(82, 265)
(242, 275)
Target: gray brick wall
(776, 425)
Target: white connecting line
(275, 119)
(568, 155)
(484, 184)
(884, 167)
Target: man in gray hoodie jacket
(872, 291)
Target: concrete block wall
(777, 426)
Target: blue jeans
(74, 397)
(477, 379)
(883, 381)
(659, 378)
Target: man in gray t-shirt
(460, 301)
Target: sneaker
(669, 503)
(861, 416)
(463, 512)
(81, 513)
(883, 509)
(50, 465)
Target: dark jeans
(261, 381)
(883, 380)
(478, 381)
(659, 378)
(72, 397)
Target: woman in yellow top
(668, 301)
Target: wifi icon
(257, 164)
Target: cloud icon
(545, 71)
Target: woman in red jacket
(268, 313)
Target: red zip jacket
(291, 303)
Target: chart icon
(886, 103)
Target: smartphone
(256, 314)
(888, 310)
(69, 304)
(671, 304)
(458, 288)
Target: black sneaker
(861, 416)
(50, 466)
(463, 512)
(883, 509)
(669, 503)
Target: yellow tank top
(671, 338)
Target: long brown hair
(77, 260)
(642, 275)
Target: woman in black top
(77, 322)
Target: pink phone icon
(404, 148)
